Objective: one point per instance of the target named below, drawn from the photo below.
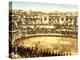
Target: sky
(43, 6)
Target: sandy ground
(63, 44)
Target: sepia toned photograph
(42, 30)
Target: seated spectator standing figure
(53, 53)
(67, 54)
(70, 53)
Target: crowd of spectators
(34, 52)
